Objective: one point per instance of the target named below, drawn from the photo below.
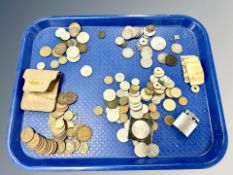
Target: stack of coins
(73, 43)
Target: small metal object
(186, 122)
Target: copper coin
(152, 107)
(60, 48)
(171, 60)
(82, 47)
(84, 133)
(61, 147)
(168, 120)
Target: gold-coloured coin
(68, 115)
(112, 104)
(168, 120)
(84, 133)
(149, 91)
(27, 135)
(195, 89)
(45, 51)
(150, 28)
(101, 34)
(83, 148)
(155, 115)
(54, 64)
(61, 147)
(183, 101)
(152, 107)
(82, 47)
(176, 92)
(108, 80)
(75, 129)
(150, 85)
(123, 109)
(62, 60)
(123, 100)
(146, 115)
(60, 48)
(74, 29)
(98, 110)
(69, 132)
(59, 124)
(155, 126)
(169, 105)
(123, 118)
(168, 93)
(34, 142)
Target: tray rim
(207, 164)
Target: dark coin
(171, 60)
(101, 34)
(82, 47)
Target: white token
(140, 149)
(146, 52)
(161, 58)
(119, 41)
(140, 129)
(109, 95)
(119, 77)
(127, 52)
(59, 32)
(176, 48)
(124, 85)
(75, 59)
(83, 37)
(146, 62)
(72, 52)
(40, 65)
(113, 114)
(86, 71)
(122, 135)
(143, 41)
(65, 36)
(158, 43)
(152, 150)
(135, 82)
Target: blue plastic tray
(204, 148)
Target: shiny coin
(140, 150)
(119, 77)
(140, 129)
(109, 95)
(168, 120)
(67, 97)
(83, 148)
(101, 35)
(83, 37)
(40, 65)
(127, 52)
(155, 115)
(60, 31)
(72, 52)
(127, 34)
(74, 29)
(168, 93)
(146, 62)
(98, 110)
(113, 115)
(86, 71)
(75, 59)
(152, 107)
(54, 53)
(62, 60)
(195, 89)
(171, 60)
(119, 41)
(108, 80)
(183, 101)
(176, 92)
(45, 51)
(124, 85)
(161, 58)
(143, 41)
(84, 133)
(122, 135)
(82, 47)
(153, 79)
(135, 82)
(152, 150)
(60, 48)
(158, 43)
(121, 93)
(176, 48)
(145, 108)
(54, 64)
(65, 36)
(27, 135)
(68, 115)
(169, 104)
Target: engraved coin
(146, 62)
(54, 64)
(176, 48)
(60, 48)
(171, 60)
(109, 95)
(176, 92)
(127, 53)
(74, 29)
(140, 129)
(119, 77)
(108, 80)
(158, 43)
(183, 101)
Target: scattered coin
(113, 115)
(146, 62)
(98, 110)
(169, 104)
(161, 58)
(74, 29)
(183, 101)
(119, 41)
(168, 120)
(152, 150)
(140, 150)
(27, 135)
(45, 51)
(54, 64)
(155, 126)
(62, 60)
(84, 133)
(124, 85)
(140, 129)
(155, 115)
(171, 60)
(74, 59)
(101, 35)
(128, 52)
(59, 32)
(70, 146)
(123, 100)
(65, 36)
(82, 47)
(119, 77)
(158, 43)
(108, 80)
(83, 148)
(60, 48)
(72, 52)
(86, 71)
(176, 48)
(40, 65)
(176, 92)
(122, 135)
(109, 95)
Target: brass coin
(70, 146)
(108, 80)
(74, 29)
(54, 64)
(146, 115)
(75, 129)
(54, 147)
(27, 135)
(82, 47)
(176, 92)
(60, 123)
(183, 101)
(150, 28)
(98, 110)
(45, 51)
(155, 126)
(67, 97)
(133, 89)
(61, 147)
(101, 35)
(72, 42)
(69, 132)
(150, 85)
(168, 120)
(123, 100)
(34, 142)
(149, 91)
(155, 115)
(112, 104)
(54, 53)
(169, 105)
(123, 109)
(123, 118)
(62, 60)
(84, 133)
(168, 93)
(152, 107)
(60, 48)
(43, 146)
(83, 148)
(68, 115)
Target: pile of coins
(67, 136)
(73, 44)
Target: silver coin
(109, 95)
(136, 114)
(119, 77)
(60, 31)
(140, 150)
(127, 52)
(135, 82)
(146, 52)
(72, 52)
(86, 71)
(145, 96)
(140, 129)
(113, 115)
(177, 48)
(124, 85)
(152, 150)
(74, 59)
(127, 33)
(65, 36)
(158, 72)
(149, 34)
(146, 62)
(122, 135)
(153, 79)
(83, 37)
(161, 58)
(158, 43)
(119, 41)
(126, 125)
(121, 93)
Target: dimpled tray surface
(206, 145)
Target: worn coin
(168, 120)
(176, 92)
(152, 150)
(124, 85)
(161, 58)
(123, 100)
(169, 104)
(60, 31)
(101, 35)
(72, 42)
(113, 114)
(45, 51)
(72, 52)
(54, 64)
(140, 149)
(82, 47)
(60, 48)
(108, 80)
(98, 110)
(109, 95)
(83, 37)
(84, 133)
(140, 129)
(171, 60)
(27, 135)
(62, 60)
(74, 29)
(86, 71)
(61, 147)
(68, 115)
(158, 43)
(155, 115)
(122, 135)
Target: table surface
(215, 16)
